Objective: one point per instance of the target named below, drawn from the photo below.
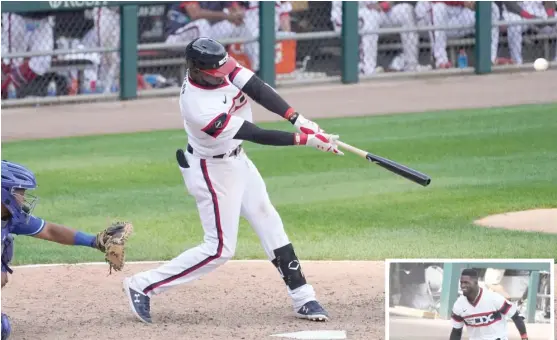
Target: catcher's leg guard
(7, 253)
(6, 327)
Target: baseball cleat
(139, 302)
(313, 311)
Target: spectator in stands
(520, 10)
(454, 13)
(282, 24)
(373, 15)
(22, 32)
(216, 19)
(107, 26)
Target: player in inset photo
(484, 312)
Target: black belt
(233, 153)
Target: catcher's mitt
(112, 242)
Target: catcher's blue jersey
(33, 226)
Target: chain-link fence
(399, 37)
(528, 30)
(26, 73)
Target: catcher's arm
(64, 235)
(111, 241)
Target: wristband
(300, 139)
(524, 336)
(83, 239)
(291, 115)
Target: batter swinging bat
(392, 166)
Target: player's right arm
(227, 126)
(457, 321)
(195, 12)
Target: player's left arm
(263, 94)
(520, 325)
(457, 321)
(58, 233)
(506, 308)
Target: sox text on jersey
(486, 318)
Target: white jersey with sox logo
(486, 318)
(212, 116)
(225, 188)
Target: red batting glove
(321, 141)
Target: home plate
(314, 335)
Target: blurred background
(72, 49)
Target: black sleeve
(251, 132)
(519, 323)
(263, 94)
(456, 334)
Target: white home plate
(314, 335)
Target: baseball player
(107, 27)
(454, 13)
(217, 19)
(22, 32)
(520, 10)
(17, 206)
(223, 180)
(375, 14)
(484, 312)
(282, 23)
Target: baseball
(541, 64)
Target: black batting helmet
(210, 57)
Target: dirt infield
(239, 300)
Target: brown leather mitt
(112, 242)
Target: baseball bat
(392, 166)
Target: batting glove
(303, 125)
(321, 141)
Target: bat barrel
(399, 169)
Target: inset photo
(473, 299)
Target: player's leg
(42, 39)
(266, 222)
(424, 18)
(495, 16)
(440, 17)
(217, 187)
(226, 29)
(251, 22)
(15, 39)
(7, 254)
(403, 15)
(514, 34)
(108, 29)
(190, 31)
(369, 20)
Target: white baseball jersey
(486, 318)
(213, 116)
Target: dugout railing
(341, 49)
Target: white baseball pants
(224, 190)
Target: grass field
(481, 162)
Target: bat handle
(352, 149)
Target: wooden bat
(399, 169)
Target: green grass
(481, 162)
